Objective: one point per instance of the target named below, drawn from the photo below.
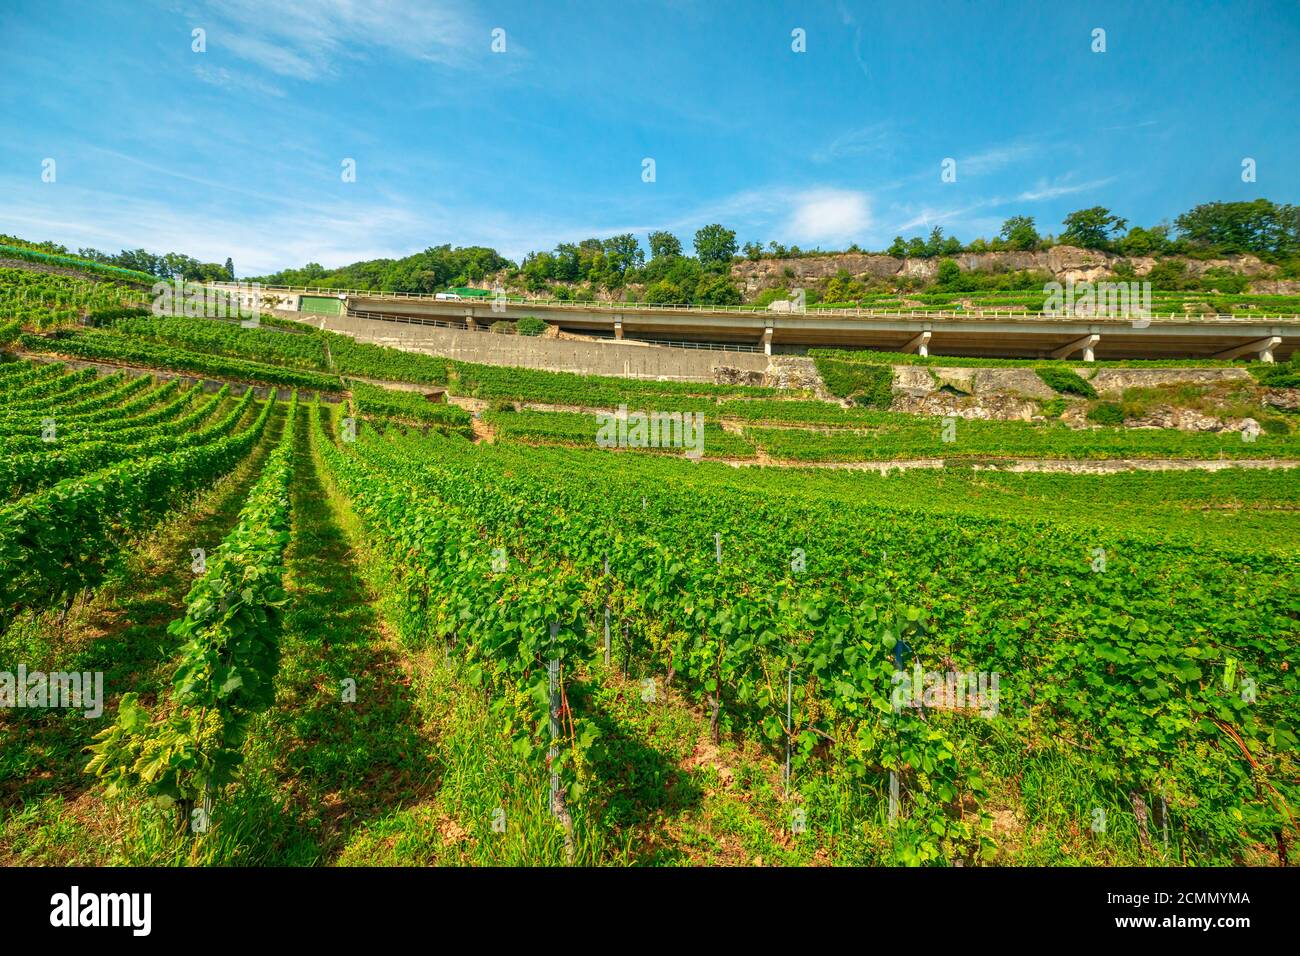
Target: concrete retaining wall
(554, 355)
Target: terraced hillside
(336, 622)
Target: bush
(664, 293)
(869, 385)
(531, 325)
(1106, 413)
(1282, 375)
(504, 327)
(1066, 381)
(717, 290)
(1053, 407)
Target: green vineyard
(322, 602)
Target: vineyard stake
(606, 618)
(627, 648)
(789, 694)
(553, 754)
(1164, 820)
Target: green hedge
(1106, 413)
(869, 385)
(1065, 381)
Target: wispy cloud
(238, 82)
(308, 41)
(928, 217)
(876, 138)
(1042, 191)
(1128, 126)
(995, 158)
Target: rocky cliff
(1063, 263)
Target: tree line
(1266, 229)
(171, 265)
(579, 269)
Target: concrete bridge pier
(1263, 349)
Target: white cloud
(221, 77)
(869, 139)
(991, 160)
(1043, 191)
(829, 215)
(308, 41)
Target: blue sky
(237, 151)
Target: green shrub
(1281, 375)
(1275, 426)
(504, 327)
(531, 325)
(1065, 381)
(1053, 407)
(869, 385)
(1106, 413)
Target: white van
(447, 296)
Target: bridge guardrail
(439, 323)
(921, 314)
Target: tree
(949, 277)
(1145, 242)
(1091, 228)
(567, 263)
(664, 245)
(898, 248)
(1257, 226)
(715, 246)
(230, 269)
(916, 247)
(717, 290)
(622, 253)
(1019, 232)
(663, 293)
(753, 251)
(934, 245)
(537, 269)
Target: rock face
(726, 375)
(1003, 408)
(785, 372)
(796, 371)
(1283, 399)
(1166, 416)
(1061, 262)
(919, 380)
(1112, 381)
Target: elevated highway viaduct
(1003, 334)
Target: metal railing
(438, 323)
(770, 314)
